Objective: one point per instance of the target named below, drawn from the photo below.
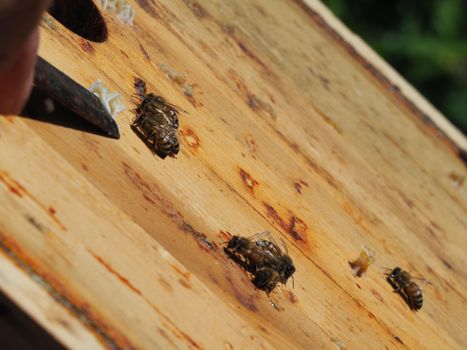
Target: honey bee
(156, 122)
(402, 283)
(263, 257)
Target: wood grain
(288, 131)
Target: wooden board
(295, 127)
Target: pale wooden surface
(331, 160)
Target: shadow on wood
(20, 332)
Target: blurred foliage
(425, 40)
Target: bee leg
(152, 138)
(271, 285)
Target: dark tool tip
(96, 113)
(74, 97)
(112, 131)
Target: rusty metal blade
(74, 97)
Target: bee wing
(274, 248)
(262, 236)
(422, 280)
(178, 109)
(387, 270)
(283, 247)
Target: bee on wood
(402, 283)
(262, 257)
(156, 122)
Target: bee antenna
(293, 283)
(224, 242)
(386, 269)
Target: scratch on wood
(145, 53)
(19, 190)
(109, 268)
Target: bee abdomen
(167, 147)
(415, 296)
(175, 148)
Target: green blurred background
(425, 41)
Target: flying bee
(156, 122)
(402, 283)
(263, 257)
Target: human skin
(19, 40)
